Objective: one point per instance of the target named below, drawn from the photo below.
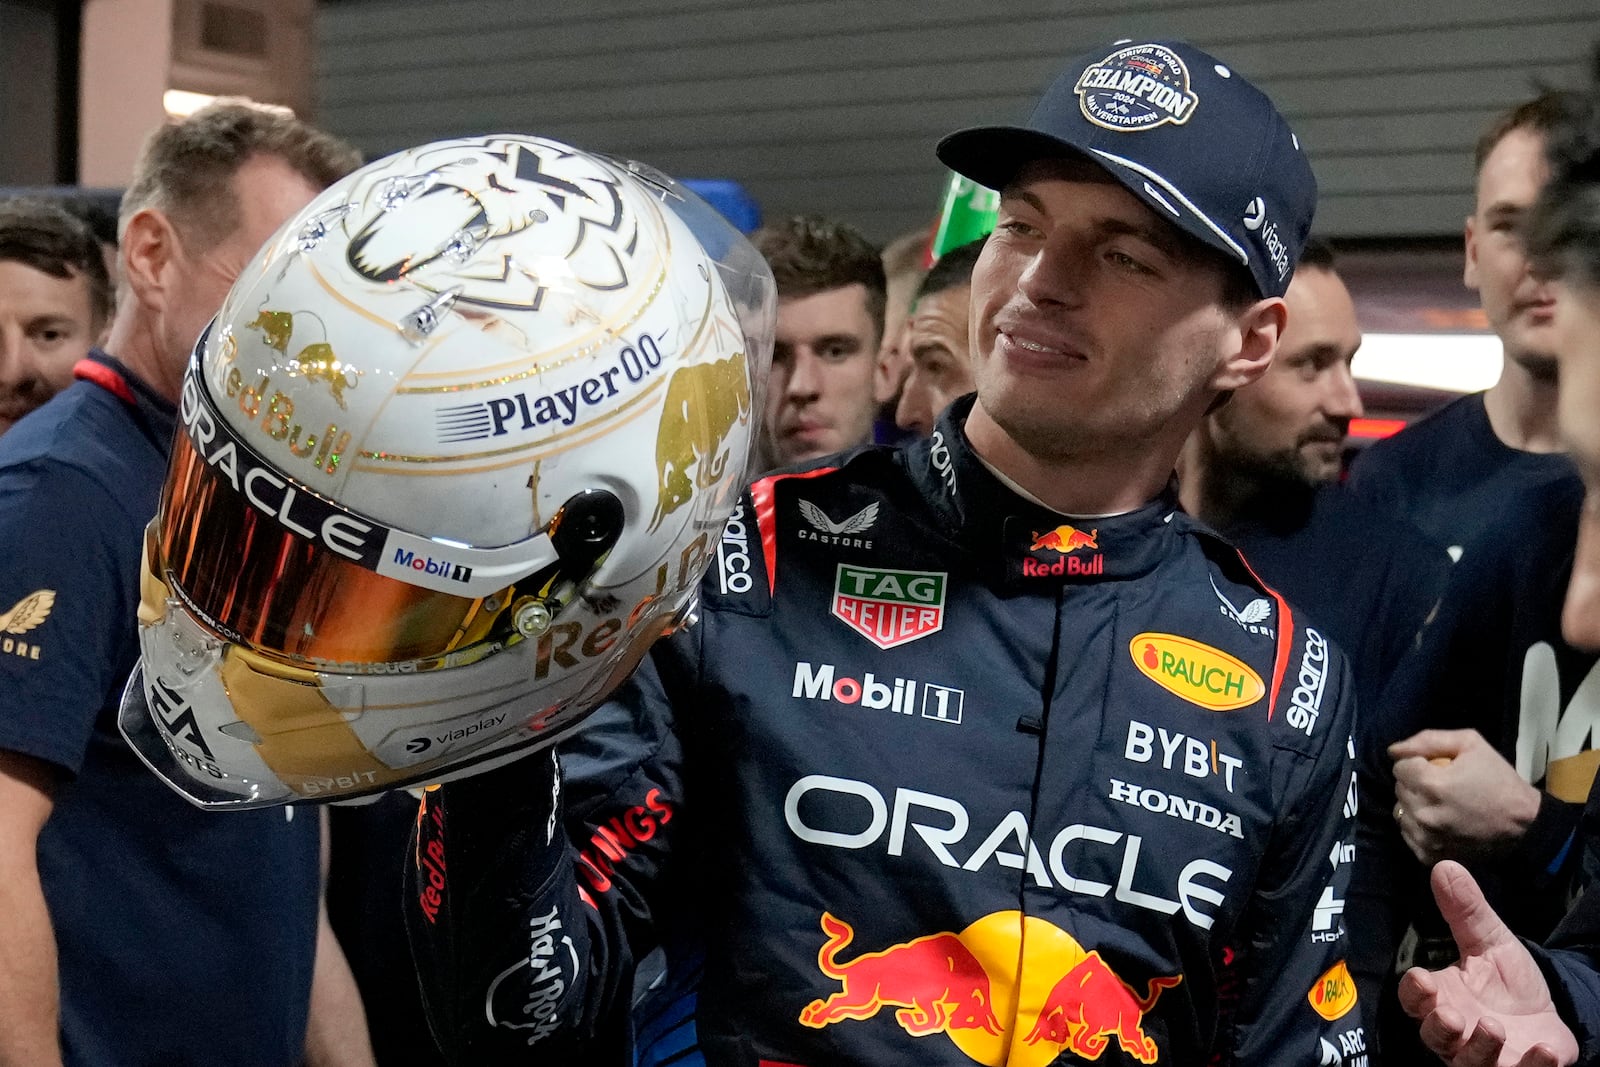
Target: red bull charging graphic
(970, 987)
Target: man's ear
(149, 249)
(889, 368)
(1469, 273)
(1259, 326)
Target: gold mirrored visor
(272, 565)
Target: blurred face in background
(1292, 421)
(821, 397)
(1517, 305)
(941, 362)
(1575, 334)
(47, 324)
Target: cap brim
(992, 155)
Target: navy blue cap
(1183, 132)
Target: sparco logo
(1081, 846)
(546, 983)
(1306, 702)
(733, 555)
(1137, 88)
(897, 694)
(404, 557)
(939, 456)
(503, 415)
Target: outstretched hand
(1493, 1008)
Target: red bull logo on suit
(971, 987)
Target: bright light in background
(180, 103)
(1460, 363)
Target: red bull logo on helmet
(1009, 989)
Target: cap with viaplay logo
(1185, 133)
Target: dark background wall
(834, 105)
(38, 92)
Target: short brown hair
(50, 239)
(810, 254)
(1549, 111)
(185, 166)
(1563, 231)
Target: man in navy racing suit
(981, 751)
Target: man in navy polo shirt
(137, 928)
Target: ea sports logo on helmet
(1137, 88)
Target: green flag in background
(968, 213)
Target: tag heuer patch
(889, 607)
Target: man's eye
(1017, 227)
(1128, 263)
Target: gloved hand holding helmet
(454, 453)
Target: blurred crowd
(140, 929)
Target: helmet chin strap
(583, 533)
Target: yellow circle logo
(1198, 673)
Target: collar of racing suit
(1027, 544)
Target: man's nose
(914, 412)
(1343, 398)
(13, 367)
(1057, 271)
(805, 374)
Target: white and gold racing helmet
(454, 453)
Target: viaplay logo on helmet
(1137, 88)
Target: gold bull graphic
(703, 403)
(315, 363)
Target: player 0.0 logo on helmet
(451, 456)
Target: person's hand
(1456, 797)
(1493, 1008)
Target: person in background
(1508, 1001)
(55, 301)
(1490, 764)
(904, 265)
(937, 341)
(1447, 473)
(1263, 470)
(139, 929)
(825, 389)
